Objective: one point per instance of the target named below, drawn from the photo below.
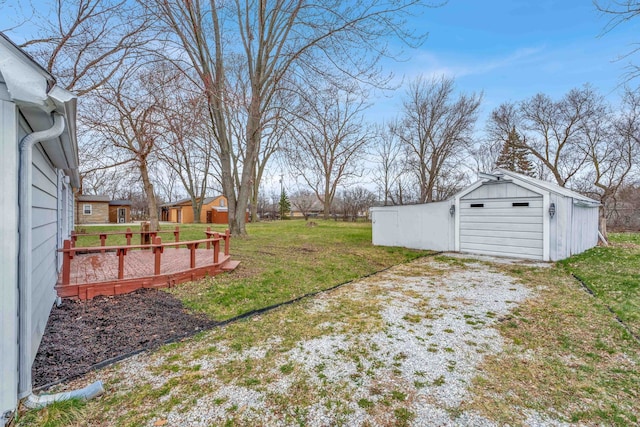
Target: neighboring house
(101, 210)
(214, 211)
(503, 214)
(39, 167)
(120, 211)
(311, 206)
(92, 209)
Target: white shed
(39, 169)
(503, 214)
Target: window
(520, 204)
(477, 205)
(86, 209)
(222, 203)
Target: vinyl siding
(44, 242)
(426, 226)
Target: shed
(39, 169)
(120, 211)
(502, 214)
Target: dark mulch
(81, 334)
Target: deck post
(121, 253)
(74, 238)
(176, 234)
(216, 248)
(208, 234)
(157, 250)
(66, 263)
(192, 254)
(227, 235)
(103, 239)
(129, 235)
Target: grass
(613, 274)
(564, 354)
(280, 261)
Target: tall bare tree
(275, 41)
(612, 147)
(330, 139)
(436, 128)
(551, 131)
(186, 143)
(127, 119)
(389, 164)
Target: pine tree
(285, 205)
(514, 156)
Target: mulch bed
(81, 334)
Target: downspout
(24, 275)
(25, 250)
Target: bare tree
(436, 128)
(389, 163)
(85, 42)
(619, 13)
(356, 201)
(186, 144)
(304, 201)
(331, 138)
(127, 119)
(273, 41)
(612, 147)
(550, 130)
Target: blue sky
(511, 50)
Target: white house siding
(44, 243)
(8, 254)
(426, 226)
(491, 224)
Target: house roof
(34, 90)
(187, 202)
(120, 202)
(92, 198)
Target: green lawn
(280, 260)
(613, 274)
(564, 353)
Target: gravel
(438, 326)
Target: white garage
(503, 214)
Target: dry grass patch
(565, 354)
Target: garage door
(504, 227)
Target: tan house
(214, 211)
(92, 209)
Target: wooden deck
(114, 270)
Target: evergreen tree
(514, 156)
(285, 205)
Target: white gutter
(25, 249)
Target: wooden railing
(128, 235)
(69, 250)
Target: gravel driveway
(398, 348)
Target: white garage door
(504, 227)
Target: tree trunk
(602, 222)
(151, 197)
